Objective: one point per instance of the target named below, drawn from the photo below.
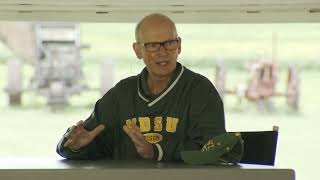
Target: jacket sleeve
(102, 145)
(205, 120)
(206, 115)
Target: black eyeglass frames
(169, 45)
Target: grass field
(33, 130)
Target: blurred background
(34, 127)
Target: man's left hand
(144, 148)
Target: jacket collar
(144, 91)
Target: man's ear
(137, 50)
(179, 46)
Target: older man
(155, 115)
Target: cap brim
(199, 157)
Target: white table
(54, 169)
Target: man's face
(160, 63)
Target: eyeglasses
(169, 45)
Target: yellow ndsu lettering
(144, 124)
(157, 124)
(171, 125)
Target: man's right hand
(79, 137)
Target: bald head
(154, 21)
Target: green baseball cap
(224, 148)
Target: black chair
(260, 146)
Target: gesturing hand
(144, 148)
(79, 137)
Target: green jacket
(183, 117)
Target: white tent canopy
(183, 11)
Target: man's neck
(158, 84)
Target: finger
(137, 132)
(129, 131)
(71, 145)
(72, 128)
(79, 122)
(68, 143)
(126, 129)
(73, 134)
(80, 125)
(73, 139)
(135, 139)
(135, 127)
(97, 130)
(77, 133)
